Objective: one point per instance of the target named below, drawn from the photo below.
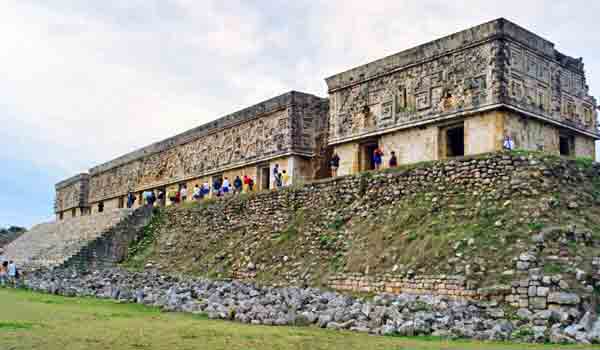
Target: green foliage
(14, 326)
(326, 241)
(140, 249)
(535, 226)
(292, 230)
(553, 268)
(337, 224)
(584, 162)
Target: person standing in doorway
(277, 176)
(334, 163)
(237, 185)
(377, 158)
(217, 187)
(393, 160)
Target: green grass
(37, 321)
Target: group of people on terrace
(376, 158)
(8, 273)
(221, 186)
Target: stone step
(51, 244)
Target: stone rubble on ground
(384, 314)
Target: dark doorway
(121, 202)
(366, 156)
(455, 141)
(565, 145)
(265, 178)
(100, 207)
(73, 212)
(60, 215)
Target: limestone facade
(459, 95)
(288, 130)
(72, 197)
(490, 81)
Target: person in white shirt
(225, 186)
(508, 144)
(12, 272)
(183, 193)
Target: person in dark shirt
(393, 160)
(377, 158)
(237, 185)
(334, 163)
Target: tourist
(12, 272)
(183, 193)
(284, 178)
(130, 199)
(226, 186)
(3, 273)
(151, 199)
(197, 193)
(277, 176)
(393, 160)
(205, 191)
(246, 183)
(237, 185)
(217, 187)
(161, 198)
(334, 163)
(178, 196)
(250, 184)
(508, 143)
(377, 158)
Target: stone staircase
(55, 244)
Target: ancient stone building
(288, 130)
(72, 197)
(461, 95)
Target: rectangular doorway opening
(566, 143)
(265, 177)
(367, 151)
(455, 141)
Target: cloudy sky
(82, 82)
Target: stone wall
(451, 286)
(497, 63)
(291, 124)
(72, 193)
(112, 246)
(234, 231)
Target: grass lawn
(37, 321)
